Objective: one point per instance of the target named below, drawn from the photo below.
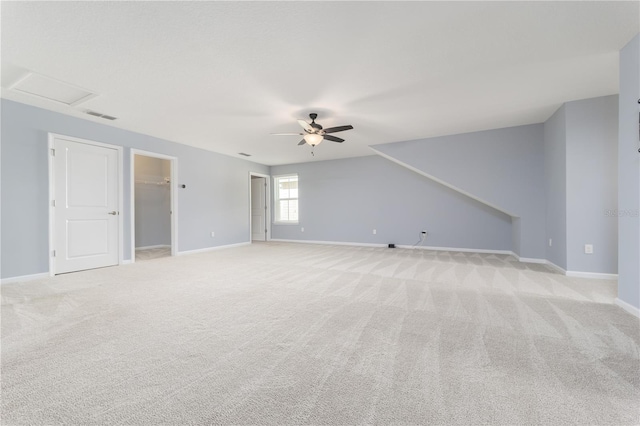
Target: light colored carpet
(277, 333)
(152, 253)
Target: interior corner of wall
(516, 235)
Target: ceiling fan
(314, 133)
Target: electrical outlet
(213, 234)
(374, 232)
(302, 229)
(550, 242)
(588, 248)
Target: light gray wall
(555, 183)
(152, 201)
(216, 197)
(629, 175)
(503, 167)
(344, 200)
(592, 184)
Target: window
(286, 196)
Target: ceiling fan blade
(333, 138)
(302, 142)
(338, 129)
(286, 134)
(305, 125)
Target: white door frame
(267, 198)
(174, 198)
(52, 211)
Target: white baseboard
(23, 278)
(556, 267)
(541, 262)
(531, 260)
(575, 274)
(207, 249)
(154, 247)
(593, 275)
(627, 307)
(457, 249)
(330, 243)
(402, 246)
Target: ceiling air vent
(54, 90)
(99, 114)
(244, 154)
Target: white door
(258, 209)
(86, 206)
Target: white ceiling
(224, 75)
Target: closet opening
(153, 204)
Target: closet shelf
(148, 182)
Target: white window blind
(286, 196)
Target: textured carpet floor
(152, 253)
(277, 333)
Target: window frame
(276, 200)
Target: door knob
(113, 213)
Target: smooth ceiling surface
(224, 75)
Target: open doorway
(153, 205)
(259, 207)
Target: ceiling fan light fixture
(313, 139)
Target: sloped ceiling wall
(503, 168)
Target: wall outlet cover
(588, 248)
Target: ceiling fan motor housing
(313, 123)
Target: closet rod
(146, 182)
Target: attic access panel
(34, 84)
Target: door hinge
(53, 253)
(53, 152)
(53, 203)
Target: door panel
(86, 211)
(87, 238)
(87, 175)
